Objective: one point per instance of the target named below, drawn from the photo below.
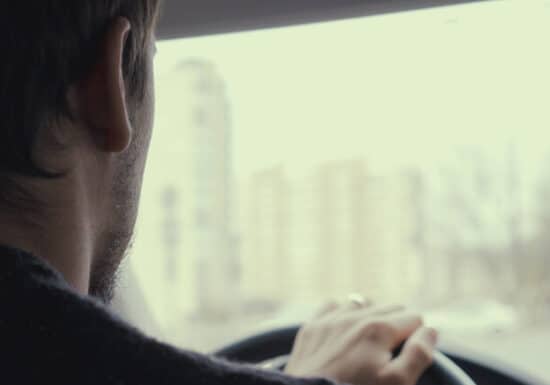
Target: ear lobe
(103, 93)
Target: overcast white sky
(396, 88)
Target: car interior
(209, 19)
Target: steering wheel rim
(271, 349)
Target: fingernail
(433, 335)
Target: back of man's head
(76, 112)
(48, 45)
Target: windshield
(405, 157)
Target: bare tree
(477, 219)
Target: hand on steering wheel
(355, 344)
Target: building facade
(189, 205)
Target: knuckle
(312, 330)
(395, 378)
(331, 304)
(421, 353)
(376, 330)
(306, 331)
(418, 319)
(327, 308)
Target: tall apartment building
(188, 200)
(335, 231)
(265, 235)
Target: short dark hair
(47, 46)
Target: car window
(405, 157)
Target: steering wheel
(271, 350)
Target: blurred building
(394, 232)
(189, 207)
(266, 235)
(334, 231)
(341, 219)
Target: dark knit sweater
(51, 335)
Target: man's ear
(102, 93)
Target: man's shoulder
(32, 289)
(51, 334)
(47, 326)
(49, 331)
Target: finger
(327, 309)
(370, 311)
(390, 332)
(404, 325)
(415, 358)
(385, 310)
(359, 301)
(373, 312)
(353, 303)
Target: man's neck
(57, 235)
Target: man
(76, 114)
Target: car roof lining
(207, 17)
